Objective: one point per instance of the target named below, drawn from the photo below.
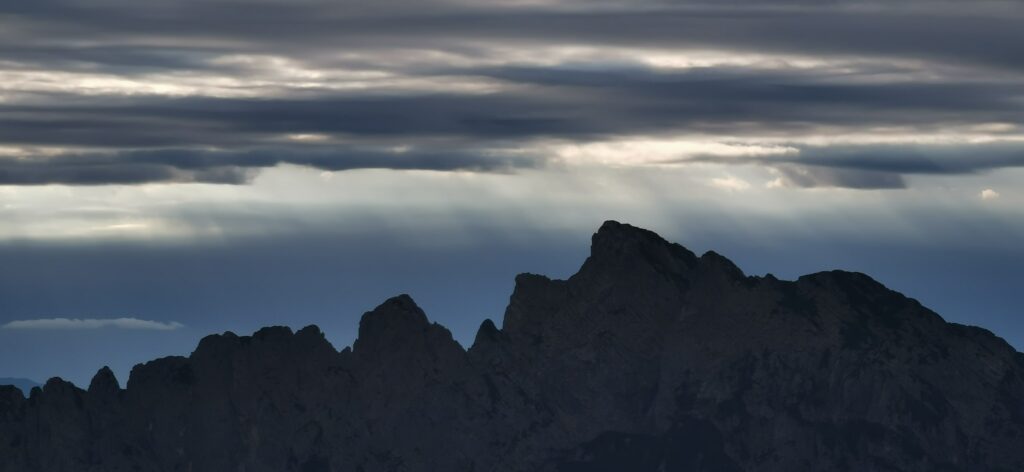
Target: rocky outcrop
(25, 385)
(650, 358)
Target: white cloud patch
(730, 183)
(642, 150)
(989, 194)
(92, 323)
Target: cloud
(91, 323)
(984, 33)
(730, 183)
(818, 177)
(139, 139)
(989, 194)
(240, 166)
(198, 92)
(931, 159)
(875, 166)
(535, 103)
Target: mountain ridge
(25, 385)
(648, 358)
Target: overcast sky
(172, 168)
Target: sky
(175, 168)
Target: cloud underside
(125, 93)
(91, 324)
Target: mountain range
(649, 358)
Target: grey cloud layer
(983, 33)
(559, 102)
(879, 166)
(955, 67)
(236, 167)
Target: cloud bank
(187, 91)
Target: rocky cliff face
(649, 359)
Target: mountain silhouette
(650, 358)
(25, 385)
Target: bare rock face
(650, 358)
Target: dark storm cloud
(161, 121)
(559, 103)
(916, 159)
(983, 33)
(879, 166)
(920, 65)
(475, 131)
(236, 167)
(731, 95)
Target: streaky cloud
(198, 92)
(92, 323)
(877, 166)
(240, 166)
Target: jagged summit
(398, 324)
(616, 243)
(648, 359)
(104, 382)
(612, 233)
(487, 332)
(396, 314)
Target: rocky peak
(398, 329)
(613, 234)
(104, 383)
(626, 256)
(487, 333)
(164, 374)
(57, 386)
(24, 384)
(58, 395)
(488, 342)
(620, 241)
(533, 300)
(273, 335)
(714, 263)
(390, 324)
(216, 345)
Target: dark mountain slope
(649, 359)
